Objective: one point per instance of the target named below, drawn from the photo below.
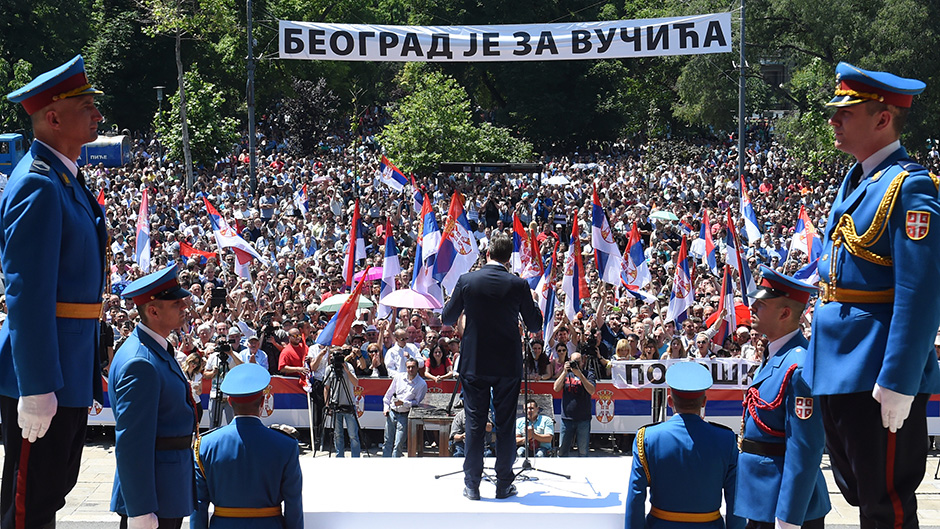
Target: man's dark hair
(500, 248)
(683, 405)
(898, 114)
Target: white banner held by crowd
(692, 35)
(727, 373)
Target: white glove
(144, 521)
(895, 407)
(34, 414)
(780, 524)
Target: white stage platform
(402, 493)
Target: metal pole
(741, 116)
(252, 162)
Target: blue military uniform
(686, 463)
(877, 314)
(782, 433)
(52, 252)
(154, 416)
(246, 469)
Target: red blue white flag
(458, 250)
(142, 252)
(683, 293)
(607, 256)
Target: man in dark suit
(491, 359)
(52, 252)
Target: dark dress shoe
(503, 494)
(471, 494)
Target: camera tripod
(339, 386)
(218, 402)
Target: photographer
(342, 403)
(272, 341)
(216, 370)
(577, 385)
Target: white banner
(727, 373)
(698, 34)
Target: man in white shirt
(397, 354)
(406, 390)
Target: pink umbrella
(412, 299)
(375, 273)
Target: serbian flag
(418, 197)
(728, 324)
(706, 234)
(747, 213)
(686, 226)
(142, 252)
(300, 199)
(458, 250)
(805, 238)
(356, 249)
(683, 294)
(100, 200)
(734, 259)
(607, 257)
(225, 237)
(809, 273)
(573, 283)
(429, 238)
(546, 296)
(636, 273)
(525, 261)
(337, 329)
(187, 252)
(391, 267)
(391, 175)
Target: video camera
(337, 359)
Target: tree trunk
(187, 155)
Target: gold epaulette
(641, 452)
(845, 232)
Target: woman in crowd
(437, 366)
(676, 349)
(538, 366)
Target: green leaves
(433, 124)
(211, 136)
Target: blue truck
(111, 151)
(12, 149)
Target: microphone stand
(526, 464)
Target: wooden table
(433, 410)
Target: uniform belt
(247, 512)
(184, 442)
(688, 517)
(78, 311)
(763, 449)
(828, 293)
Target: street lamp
(159, 90)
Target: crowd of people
(272, 318)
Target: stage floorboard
(403, 493)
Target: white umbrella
(334, 302)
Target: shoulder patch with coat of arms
(803, 407)
(917, 224)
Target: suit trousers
(162, 523)
(476, 404)
(876, 470)
(40, 474)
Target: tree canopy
(554, 105)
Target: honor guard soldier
(246, 469)
(53, 241)
(779, 480)
(685, 462)
(154, 411)
(871, 358)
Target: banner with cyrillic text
(727, 373)
(692, 35)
